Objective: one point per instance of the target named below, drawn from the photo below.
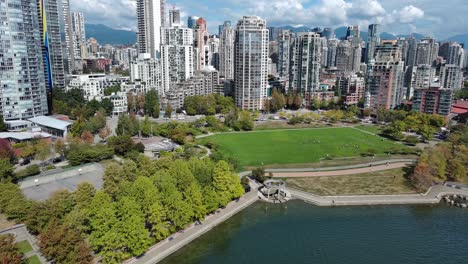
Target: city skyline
(428, 17)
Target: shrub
(30, 170)
(80, 154)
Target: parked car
(57, 160)
(25, 162)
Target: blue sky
(437, 18)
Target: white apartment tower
(151, 17)
(147, 71)
(304, 71)
(177, 56)
(251, 63)
(226, 52)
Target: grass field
(33, 260)
(371, 128)
(24, 246)
(298, 146)
(383, 182)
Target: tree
(3, 126)
(168, 111)
(246, 121)
(104, 133)
(63, 244)
(146, 127)
(221, 182)
(42, 150)
(87, 137)
(152, 104)
(6, 152)
(112, 89)
(259, 174)
(78, 126)
(412, 140)
(427, 132)
(9, 253)
(59, 147)
(126, 125)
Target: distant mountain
(460, 39)
(341, 33)
(106, 35)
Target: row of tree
(423, 124)
(141, 203)
(446, 161)
(208, 104)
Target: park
(279, 147)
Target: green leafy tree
(146, 127)
(168, 111)
(6, 171)
(246, 121)
(152, 104)
(3, 126)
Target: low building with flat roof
(55, 127)
(24, 136)
(155, 145)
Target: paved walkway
(432, 196)
(366, 169)
(182, 238)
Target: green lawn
(298, 146)
(33, 260)
(382, 182)
(24, 246)
(371, 128)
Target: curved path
(432, 196)
(366, 169)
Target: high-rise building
(433, 100)
(412, 50)
(373, 39)
(148, 71)
(177, 56)
(422, 77)
(332, 48)
(328, 33)
(192, 21)
(274, 33)
(52, 44)
(251, 63)
(427, 51)
(456, 55)
(306, 53)
(201, 47)
(23, 92)
(151, 17)
(226, 52)
(451, 77)
(353, 32)
(69, 59)
(76, 42)
(174, 17)
(385, 78)
(351, 88)
(284, 51)
(344, 56)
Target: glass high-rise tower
(23, 91)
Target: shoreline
(176, 241)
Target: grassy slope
(297, 146)
(383, 182)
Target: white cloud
(409, 14)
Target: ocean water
(298, 232)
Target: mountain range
(107, 35)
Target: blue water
(302, 233)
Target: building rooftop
(157, 144)
(21, 136)
(50, 122)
